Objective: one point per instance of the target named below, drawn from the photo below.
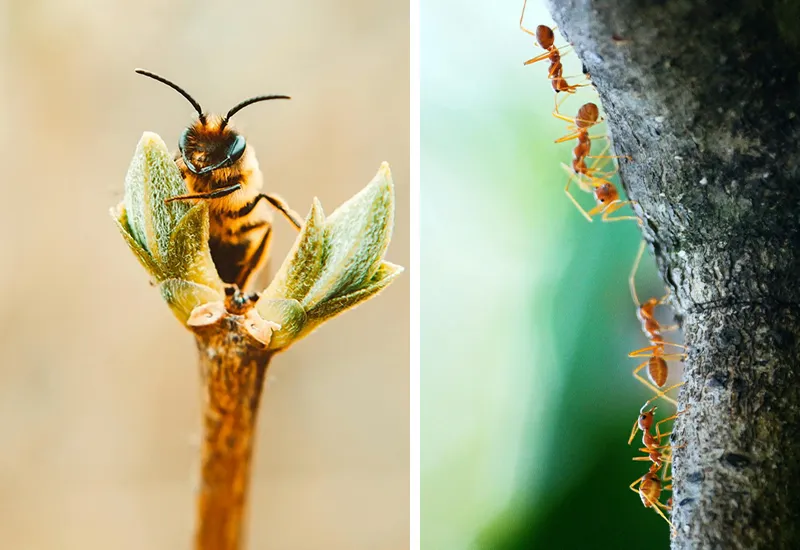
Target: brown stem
(233, 365)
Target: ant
(649, 490)
(657, 369)
(656, 452)
(646, 311)
(605, 192)
(545, 37)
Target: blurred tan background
(99, 398)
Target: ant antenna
(178, 89)
(236, 108)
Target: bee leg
(254, 262)
(217, 193)
(293, 217)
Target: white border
(414, 272)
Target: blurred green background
(527, 393)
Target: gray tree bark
(705, 97)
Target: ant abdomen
(587, 115)
(657, 370)
(545, 36)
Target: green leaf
(289, 314)
(357, 235)
(184, 296)
(153, 177)
(302, 265)
(120, 218)
(188, 255)
(386, 273)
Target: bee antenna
(178, 89)
(236, 108)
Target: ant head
(646, 419)
(545, 36)
(606, 193)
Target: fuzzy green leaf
(335, 264)
(357, 235)
(153, 177)
(183, 296)
(169, 239)
(302, 265)
(120, 218)
(386, 273)
(188, 254)
(289, 314)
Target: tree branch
(233, 365)
(704, 96)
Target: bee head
(210, 144)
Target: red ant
(650, 487)
(657, 369)
(605, 192)
(545, 37)
(656, 452)
(646, 311)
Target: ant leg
(643, 352)
(538, 58)
(568, 137)
(573, 121)
(632, 276)
(664, 391)
(572, 174)
(556, 105)
(613, 208)
(675, 345)
(652, 387)
(522, 16)
(634, 430)
(664, 458)
(575, 201)
(657, 507)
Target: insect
(545, 37)
(218, 165)
(657, 356)
(645, 311)
(644, 422)
(649, 490)
(605, 193)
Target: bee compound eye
(236, 149)
(183, 140)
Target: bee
(219, 166)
